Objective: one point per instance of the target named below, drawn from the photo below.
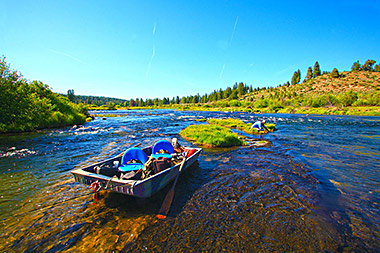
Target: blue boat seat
(133, 154)
(162, 145)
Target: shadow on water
(252, 204)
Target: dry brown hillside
(348, 81)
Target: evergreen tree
(234, 95)
(356, 66)
(317, 70)
(221, 94)
(241, 89)
(71, 95)
(367, 66)
(227, 92)
(296, 77)
(377, 68)
(309, 74)
(335, 73)
(149, 102)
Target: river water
(315, 188)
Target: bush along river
(315, 188)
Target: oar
(164, 210)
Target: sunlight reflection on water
(314, 189)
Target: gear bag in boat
(160, 164)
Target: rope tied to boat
(96, 186)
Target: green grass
(212, 135)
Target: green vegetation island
(29, 106)
(218, 133)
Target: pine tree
(335, 73)
(296, 77)
(317, 70)
(356, 66)
(367, 66)
(71, 95)
(309, 74)
(241, 89)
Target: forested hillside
(27, 106)
(93, 100)
(323, 92)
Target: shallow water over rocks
(315, 188)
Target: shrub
(348, 98)
(27, 106)
(320, 101)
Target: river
(316, 188)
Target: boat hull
(137, 188)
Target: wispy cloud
(286, 70)
(66, 54)
(150, 62)
(153, 51)
(154, 28)
(233, 31)
(221, 72)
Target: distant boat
(142, 188)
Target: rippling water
(316, 188)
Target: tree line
(237, 91)
(316, 71)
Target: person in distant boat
(260, 125)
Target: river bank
(331, 110)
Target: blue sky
(147, 49)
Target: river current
(316, 188)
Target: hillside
(348, 81)
(351, 93)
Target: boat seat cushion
(132, 158)
(162, 145)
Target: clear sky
(147, 49)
